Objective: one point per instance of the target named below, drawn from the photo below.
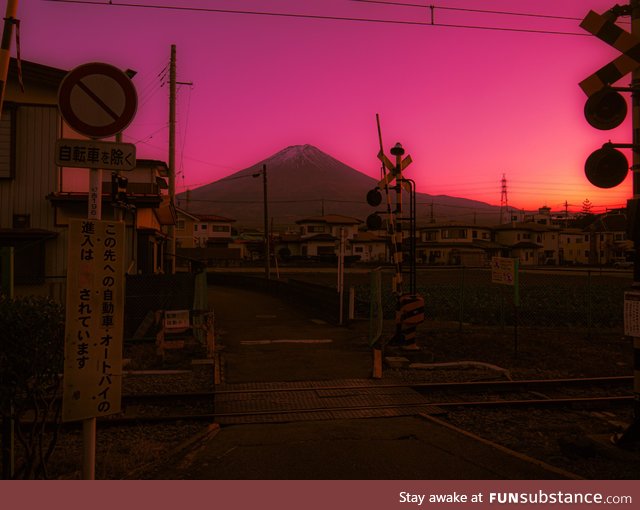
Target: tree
(31, 364)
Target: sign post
(96, 100)
(505, 271)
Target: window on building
(203, 226)
(474, 234)
(454, 233)
(221, 228)
(315, 229)
(180, 225)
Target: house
(370, 247)
(147, 212)
(320, 235)
(532, 243)
(37, 197)
(608, 239)
(453, 243)
(184, 231)
(574, 246)
(29, 128)
(210, 229)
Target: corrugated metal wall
(36, 175)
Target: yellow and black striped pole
(398, 241)
(5, 46)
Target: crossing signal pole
(607, 167)
(409, 305)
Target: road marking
(267, 342)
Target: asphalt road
(266, 340)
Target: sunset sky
(472, 97)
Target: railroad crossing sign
(606, 30)
(97, 100)
(393, 171)
(92, 154)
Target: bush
(31, 361)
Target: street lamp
(267, 248)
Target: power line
(320, 17)
(461, 9)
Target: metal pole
(172, 150)
(267, 244)
(632, 433)
(89, 425)
(341, 275)
(398, 241)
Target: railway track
(252, 403)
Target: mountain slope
(303, 181)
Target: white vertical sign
(94, 319)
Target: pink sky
(468, 105)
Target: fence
(591, 299)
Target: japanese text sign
(94, 320)
(93, 154)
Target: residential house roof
(214, 218)
(609, 223)
(529, 225)
(332, 219)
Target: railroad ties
(316, 400)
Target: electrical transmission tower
(504, 203)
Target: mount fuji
(303, 181)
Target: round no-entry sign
(97, 100)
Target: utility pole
(267, 240)
(172, 151)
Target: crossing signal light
(607, 167)
(606, 109)
(118, 188)
(374, 199)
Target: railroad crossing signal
(606, 108)
(606, 30)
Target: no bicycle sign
(97, 100)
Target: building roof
(453, 224)
(529, 225)
(33, 72)
(331, 219)
(609, 223)
(214, 218)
